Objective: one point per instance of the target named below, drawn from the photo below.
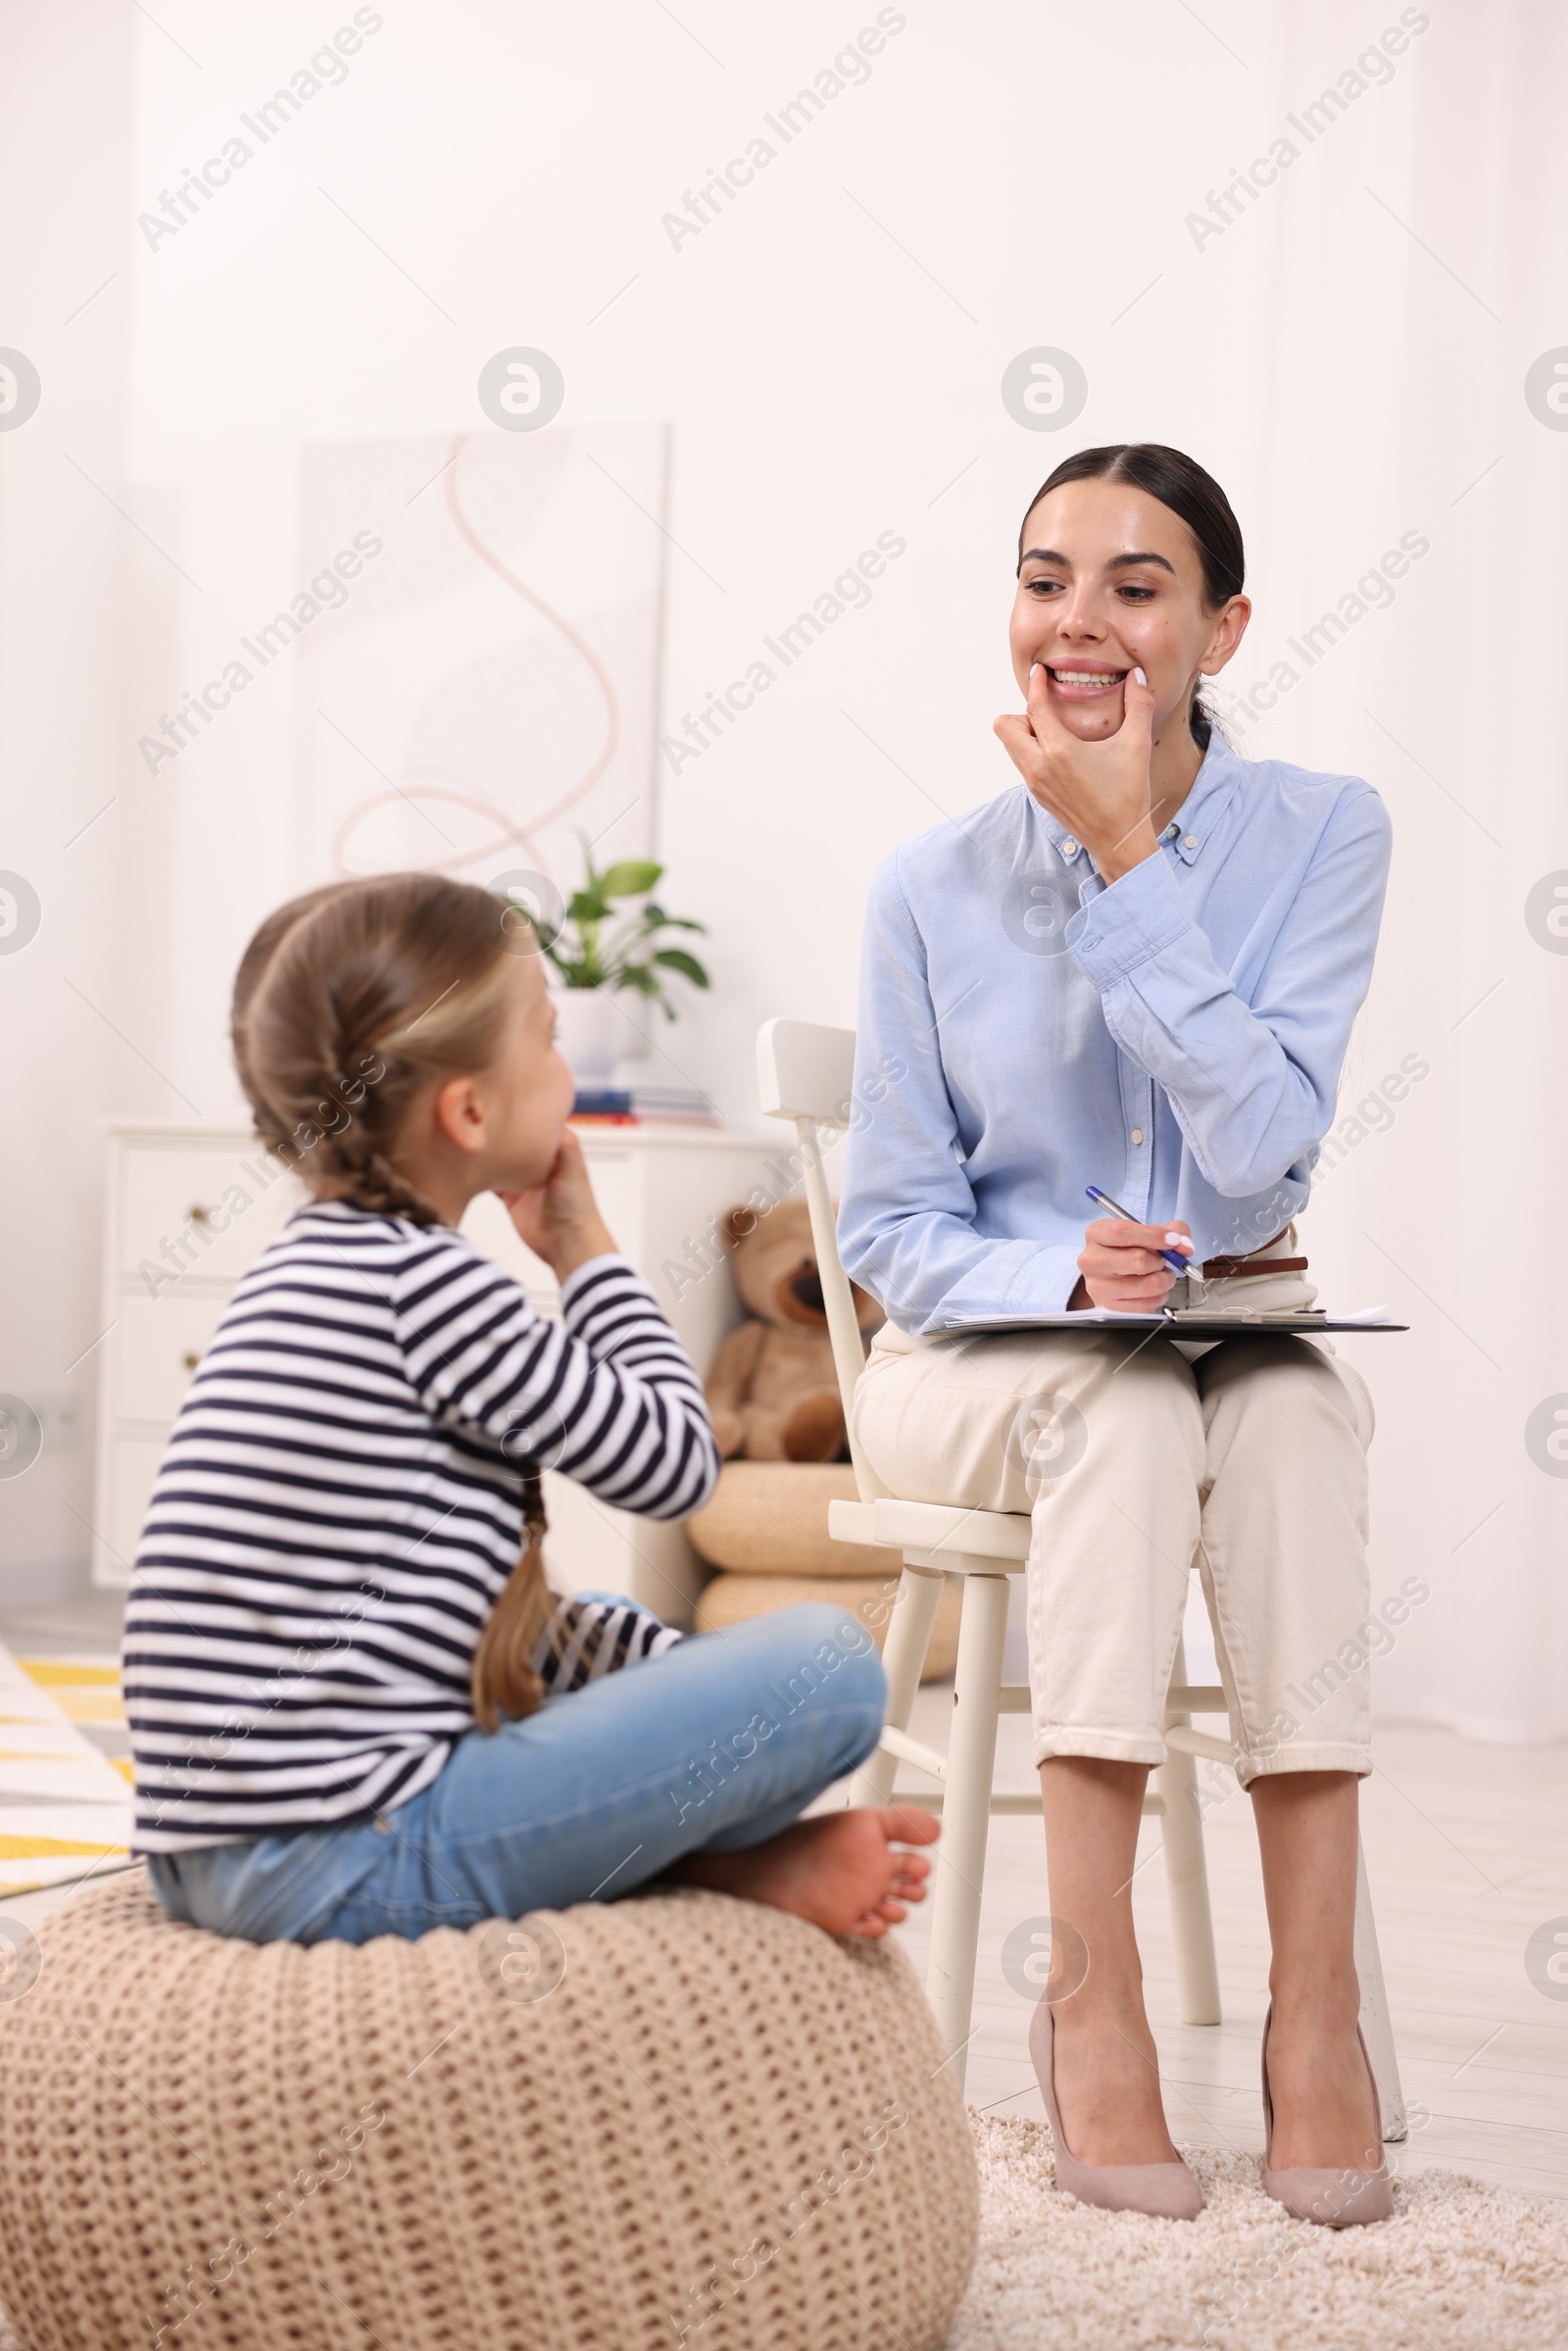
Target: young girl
(356, 1709)
(1139, 970)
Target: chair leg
(914, 1613)
(1186, 1879)
(960, 1855)
(1376, 2026)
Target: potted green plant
(608, 941)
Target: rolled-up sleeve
(1251, 1086)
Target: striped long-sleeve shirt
(341, 1503)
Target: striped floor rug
(65, 1770)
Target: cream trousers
(1137, 1462)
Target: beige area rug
(1462, 2266)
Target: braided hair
(503, 1679)
(348, 1003)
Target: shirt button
(1069, 849)
(1190, 841)
(1138, 1134)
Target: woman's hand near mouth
(1099, 791)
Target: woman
(1139, 972)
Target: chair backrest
(806, 1074)
(805, 1071)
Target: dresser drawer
(132, 1464)
(158, 1344)
(617, 1182)
(616, 1178)
(203, 1198)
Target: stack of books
(601, 1104)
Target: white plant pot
(592, 1032)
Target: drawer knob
(190, 1358)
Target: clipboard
(1184, 1322)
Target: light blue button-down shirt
(1175, 1037)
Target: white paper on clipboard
(1206, 1322)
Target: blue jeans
(717, 1743)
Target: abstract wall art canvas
(477, 689)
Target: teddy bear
(772, 1392)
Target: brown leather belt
(1222, 1270)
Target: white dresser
(189, 1206)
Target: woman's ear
(1229, 630)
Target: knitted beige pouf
(766, 1530)
(733, 1600)
(674, 2120)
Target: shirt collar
(1213, 786)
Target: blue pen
(1172, 1257)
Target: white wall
(64, 571)
(1348, 356)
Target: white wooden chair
(806, 1074)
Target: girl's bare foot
(843, 1871)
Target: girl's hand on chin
(1099, 791)
(558, 1219)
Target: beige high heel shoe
(1334, 2200)
(1167, 2190)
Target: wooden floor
(1467, 1852)
(1467, 1847)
